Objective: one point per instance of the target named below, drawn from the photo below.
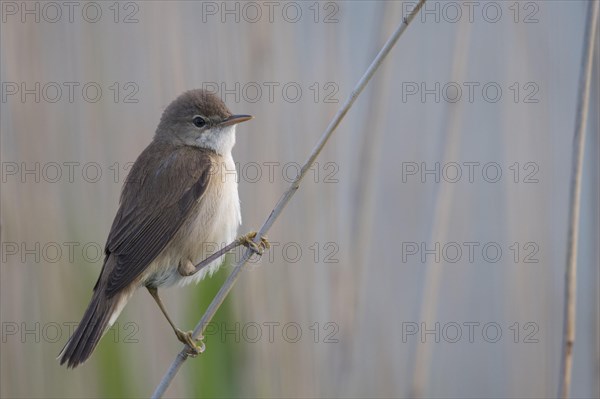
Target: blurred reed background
(329, 310)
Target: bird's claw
(247, 240)
(187, 339)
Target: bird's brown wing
(164, 185)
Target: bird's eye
(199, 121)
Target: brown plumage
(180, 194)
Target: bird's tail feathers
(98, 317)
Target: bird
(179, 199)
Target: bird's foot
(247, 240)
(187, 339)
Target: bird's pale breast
(212, 225)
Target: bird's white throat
(221, 141)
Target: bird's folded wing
(162, 188)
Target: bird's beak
(235, 119)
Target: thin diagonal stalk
(285, 198)
(585, 78)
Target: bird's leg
(246, 240)
(185, 337)
(186, 268)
